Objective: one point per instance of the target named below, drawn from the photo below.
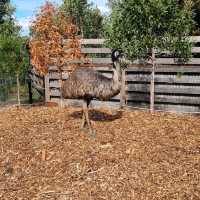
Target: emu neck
(117, 78)
(117, 72)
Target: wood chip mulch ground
(135, 155)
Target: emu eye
(116, 54)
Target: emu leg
(87, 120)
(84, 123)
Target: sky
(25, 10)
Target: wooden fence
(177, 87)
(37, 81)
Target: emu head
(115, 55)
(119, 61)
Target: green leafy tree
(13, 56)
(93, 23)
(196, 13)
(88, 19)
(7, 23)
(3, 8)
(138, 27)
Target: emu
(87, 84)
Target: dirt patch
(135, 155)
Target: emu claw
(92, 134)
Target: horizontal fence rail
(177, 86)
(37, 81)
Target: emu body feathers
(89, 84)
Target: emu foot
(89, 131)
(92, 133)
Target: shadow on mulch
(98, 115)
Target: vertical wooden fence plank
(152, 87)
(30, 91)
(47, 93)
(18, 91)
(123, 89)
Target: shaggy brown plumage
(87, 84)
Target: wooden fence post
(18, 90)
(47, 92)
(123, 89)
(30, 91)
(61, 86)
(152, 86)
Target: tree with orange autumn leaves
(47, 47)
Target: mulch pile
(135, 155)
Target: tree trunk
(152, 86)
(18, 91)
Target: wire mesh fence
(9, 91)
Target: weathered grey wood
(40, 89)
(36, 76)
(88, 41)
(92, 41)
(54, 92)
(194, 39)
(165, 98)
(96, 50)
(171, 61)
(138, 77)
(47, 93)
(98, 67)
(54, 84)
(52, 68)
(194, 50)
(93, 60)
(94, 103)
(165, 68)
(161, 78)
(152, 82)
(165, 89)
(56, 75)
(178, 108)
(167, 61)
(123, 89)
(87, 61)
(165, 107)
(36, 81)
(105, 104)
(108, 50)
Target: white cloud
(25, 23)
(104, 9)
